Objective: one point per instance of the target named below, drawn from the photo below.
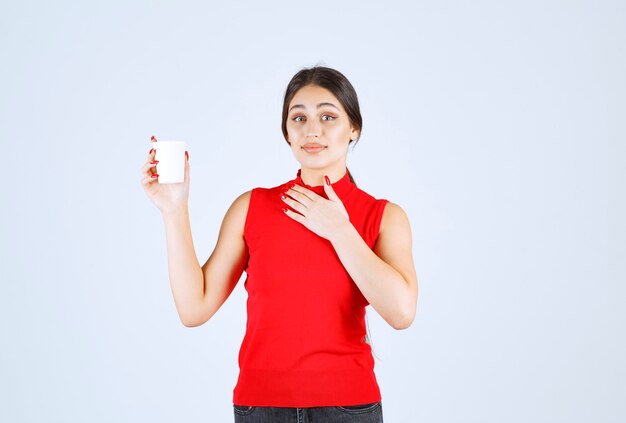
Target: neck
(315, 177)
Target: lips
(312, 145)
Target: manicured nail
(327, 180)
(186, 154)
(154, 162)
(153, 139)
(151, 150)
(156, 175)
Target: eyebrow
(301, 106)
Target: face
(318, 128)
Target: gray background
(498, 126)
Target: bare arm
(200, 291)
(385, 275)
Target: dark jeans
(365, 413)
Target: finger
(149, 179)
(328, 189)
(303, 198)
(152, 152)
(148, 168)
(187, 171)
(294, 204)
(295, 216)
(305, 191)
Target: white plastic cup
(171, 158)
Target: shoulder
(394, 236)
(394, 219)
(243, 199)
(235, 218)
(393, 209)
(239, 207)
(242, 202)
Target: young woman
(317, 250)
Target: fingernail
(186, 154)
(151, 150)
(152, 139)
(154, 162)
(156, 175)
(327, 180)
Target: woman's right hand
(167, 197)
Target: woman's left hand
(323, 217)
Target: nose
(313, 129)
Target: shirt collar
(342, 187)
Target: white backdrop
(498, 126)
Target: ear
(354, 133)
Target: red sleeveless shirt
(304, 344)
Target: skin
(385, 275)
(327, 125)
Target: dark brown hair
(335, 82)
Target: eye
(329, 118)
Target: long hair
(335, 82)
